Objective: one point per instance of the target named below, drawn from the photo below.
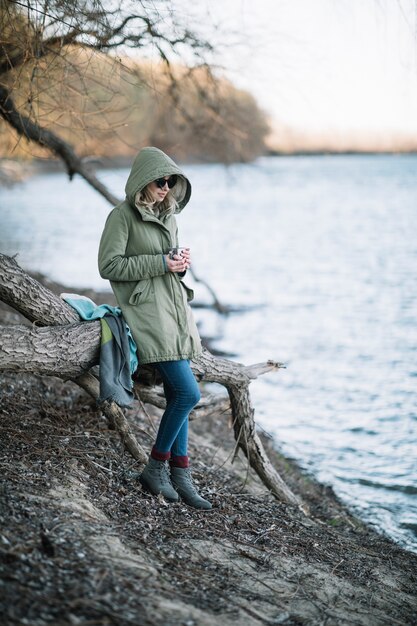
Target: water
(328, 246)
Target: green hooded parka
(154, 302)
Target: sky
(320, 65)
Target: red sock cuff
(160, 456)
(180, 461)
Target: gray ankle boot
(155, 478)
(183, 483)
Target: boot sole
(193, 506)
(149, 490)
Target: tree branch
(48, 139)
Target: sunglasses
(161, 182)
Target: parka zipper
(173, 281)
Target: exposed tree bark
(115, 416)
(39, 305)
(49, 351)
(34, 301)
(236, 378)
(64, 351)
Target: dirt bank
(81, 544)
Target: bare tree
(68, 85)
(40, 48)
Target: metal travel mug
(173, 251)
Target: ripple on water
(409, 489)
(365, 431)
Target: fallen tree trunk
(42, 307)
(236, 378)
(64, 351)
(67, 348)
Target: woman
(147, 284)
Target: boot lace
(189, 480)
(162, 470)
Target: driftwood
(50, 350)
(59, 344)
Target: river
(324, 251)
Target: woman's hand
(179, 263)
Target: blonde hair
(145, 199)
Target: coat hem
(169, 357)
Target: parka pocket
(143, 292)
(189, 292)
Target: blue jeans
(182, 394)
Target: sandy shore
(80, 543)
